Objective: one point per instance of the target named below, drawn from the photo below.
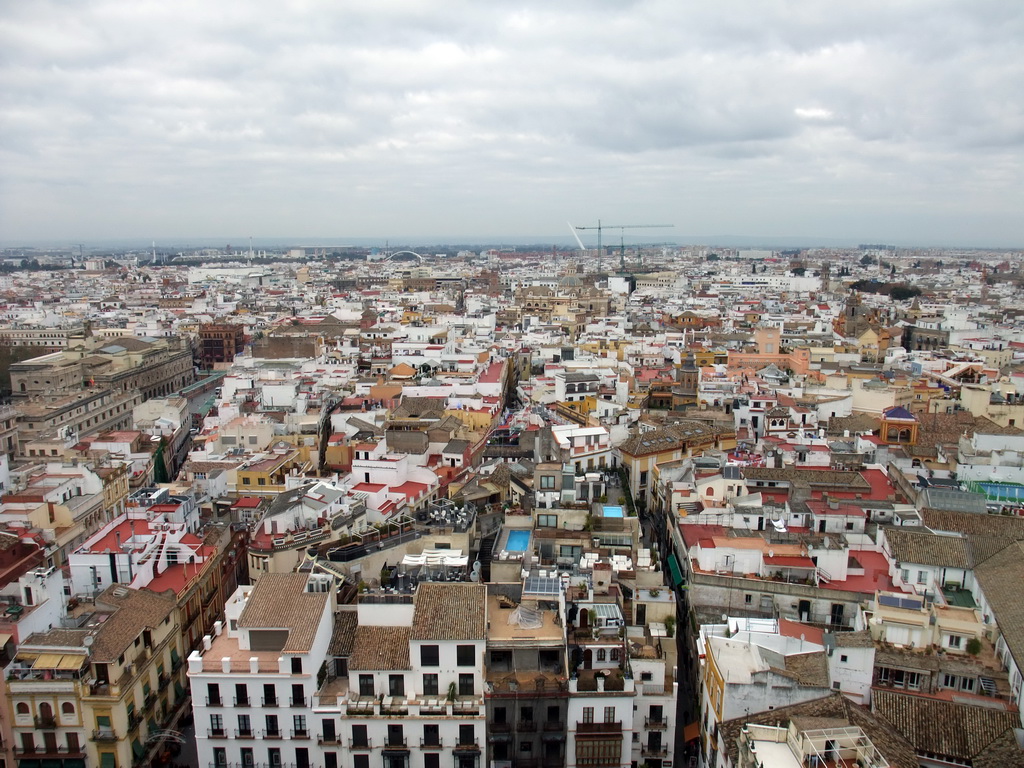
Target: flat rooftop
(227, 647)
(500, 631)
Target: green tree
(902, 292)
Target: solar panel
(889, 600)
(912, 605)
(536, 585)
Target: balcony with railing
(396, 742)
(360, 743)
(612, 727)
(655, 723)
(41, 751)
(242, 701)
(105, 734)
(45, 722)
(216, 733)
(654, 750)
(467, 745)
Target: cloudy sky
(873, 121)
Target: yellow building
(95, 696)
(266, 476)
(642, 452)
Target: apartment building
(415, 691)
(527, 684)
(253, 680)
(154, 368)
(584, 448)
(98, 692)
(71, 416)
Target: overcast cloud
(875, 121)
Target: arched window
(22, 708)
(601, 654)
(67, 708)
(710, 491)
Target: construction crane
(621, 227)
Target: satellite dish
(474, 576)
(771, 553)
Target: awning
(5, 638)
(179, 690)
(71, 662)
(74, 762)
(51, 762)
(47, 661)
(675, 571)
(28, 763)
(137, 748)
(691, 732)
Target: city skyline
(465, 122)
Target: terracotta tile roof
(948, 428)
(1002, 752)
(62, 638)
(809, 668)
(280, 601)
(904, 659)
(1000, 577)
(344, 634)
(134, 611)
(959, 731)
(896, 749)
(668, 438)
(847, 481)
(855, 424)
(1007, 526)
(450, 612)
(926, 548)
(859, 639)
(380, 648)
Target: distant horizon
(241, 244)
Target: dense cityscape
(512, 507)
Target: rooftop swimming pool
(517, 541)
(612, 512)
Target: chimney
(207, 642)
(117, 538)
(218, 627)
